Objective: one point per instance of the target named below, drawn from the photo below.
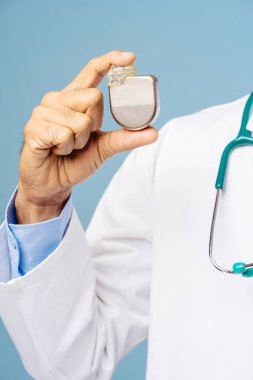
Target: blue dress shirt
(30, 244)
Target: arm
(27, 245)
(35, 242)
(80, 311)
(65, 316)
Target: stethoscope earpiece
(248, 273)
(239, 268)
(245, 270)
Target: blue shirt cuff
(30, 244)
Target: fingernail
(127, 53)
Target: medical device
(134, 100)
(244, 138)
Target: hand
(63, 143)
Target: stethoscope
(243, 138)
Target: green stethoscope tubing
(242, 139)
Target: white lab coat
(142, 267)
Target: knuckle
(61, 138)
(87, 120)
(65, 134)
(93, 61)
(95, 95)
(31, 143)
(79, 92)
(28, 129)
(48, 97)
(33, 127)
(37, 111)
(106, 150)
(67, 142)
(80, 142)
(32, 133)
(98, 95)
(115, 51)
(84, 120)
(113, 145)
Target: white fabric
(143, 262)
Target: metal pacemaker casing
(135, 102)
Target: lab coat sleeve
(75, 315)
(30, 244)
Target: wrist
(31, 210)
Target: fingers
(79, 124)
(92, 74)
(78, 99)
(42, 136)
(64, 120)
(110, 143)
(88, 101)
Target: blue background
(201, 52)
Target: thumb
(113, 142)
